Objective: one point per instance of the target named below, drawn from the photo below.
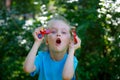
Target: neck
(57, 55)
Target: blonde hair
(58, 18)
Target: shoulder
(42, 53)
(75, 59)
(75, 62)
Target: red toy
(74, 34)
(43, 32)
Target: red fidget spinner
(43, 32)
(74, 35)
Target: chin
(61, 50)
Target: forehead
(59, 24)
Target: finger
(78, 44)
(35, 35)
(79, 40)
(38, 29)
(36, 32)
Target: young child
(59, 62)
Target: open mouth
(58, 41)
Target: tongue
(58, 41)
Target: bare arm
(29, 61)
(68, 70)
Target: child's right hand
(37, 31)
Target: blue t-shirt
(48, 69)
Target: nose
(58, 34)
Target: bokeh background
(97, 24)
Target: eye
(53, 31)
(63, 32)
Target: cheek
(50, 39)
(67, 39)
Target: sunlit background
(97, 23)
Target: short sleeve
(37, 63)
(75, 63)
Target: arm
(68, 70)
(29, 61)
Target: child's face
(59, 38)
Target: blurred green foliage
(99, 55)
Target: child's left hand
(73, 47)
(78, 44)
